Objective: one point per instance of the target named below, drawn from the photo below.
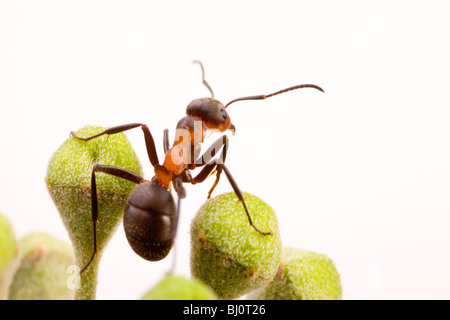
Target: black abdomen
(148, 221)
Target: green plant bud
(69, 184)
(42, 272)
(179, 288)
(8, 255)
(227, 253)
(302, 275)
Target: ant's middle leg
(115, 171)
(149, 142)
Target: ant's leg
(166, 146)
(219, 167)
(149, 142)
(222, 142)
(209, 154)
(115, 171)
(181, 192)
(166, 143)
(240, 197)
(201, 176)
(223, 156)
(209, 166)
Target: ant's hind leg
(115, 171)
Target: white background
(360, 173)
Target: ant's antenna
(264, 96)
(203, 77)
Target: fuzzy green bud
(179, 288)
(227, 253)
(8, 255)
(302, 275)
(42, 272)
(69, 184)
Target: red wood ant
(151, 216)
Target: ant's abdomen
(148, 221)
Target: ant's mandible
(151, 216)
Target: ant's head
(212, 112)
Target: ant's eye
(224, 114)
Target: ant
(151, 216)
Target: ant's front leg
(166, 143)
(219, 168)
(205, 160)
(240, 197)
(115, 171)
(149, 142)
